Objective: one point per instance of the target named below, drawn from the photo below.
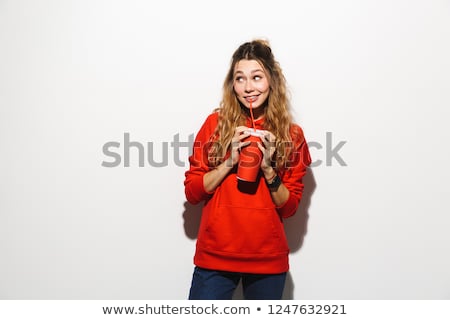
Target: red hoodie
(242, 231)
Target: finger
(238, 145)
(263, 142)
(261, 147)
(270, 136)
(241, 129)
(270, 141)
(244, 144)
(242, 135)
(267, 142)
(239, 135)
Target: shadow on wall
(192, 215)
(295, 228)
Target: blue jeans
(220, 285)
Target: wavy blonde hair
(277, 115)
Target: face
(251, 83)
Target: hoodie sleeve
(293, 176)
(198, 162)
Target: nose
(248, 87)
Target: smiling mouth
(251, 98)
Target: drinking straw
(251, 114)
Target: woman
(241, 235)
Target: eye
(239, 79)
(257, 78)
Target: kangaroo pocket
(242, 230)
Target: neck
(258, 113)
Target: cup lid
(255, 132)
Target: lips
(251, 98)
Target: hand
(237, 144)
(267, 147)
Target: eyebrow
(253, 71)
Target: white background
(75, 75)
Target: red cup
(250, 159)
